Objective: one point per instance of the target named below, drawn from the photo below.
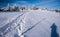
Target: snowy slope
(34, 23)
(7, 17)
(9, 28)
(43, 22)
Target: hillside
(33, 23)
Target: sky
(50, 4)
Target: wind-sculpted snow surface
(31, 24)
(38, 24)
(13, 25)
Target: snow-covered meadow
(36, 23)
(43, 22)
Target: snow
(33, 23)
(43, 28)
(8, 29)
(7, 17)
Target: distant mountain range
(13, 8)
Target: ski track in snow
(37, 24)
(43, 29)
